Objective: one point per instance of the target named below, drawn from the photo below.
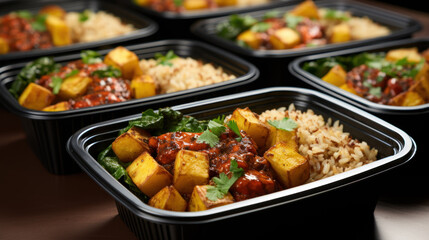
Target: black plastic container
(273, 63)
(47, 132)
(146, 28)
(340, 203)
(411, 119)
(177, 24)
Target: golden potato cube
(341, 33)
(223, 3)
(36, 97)
(148, 175)
(408, 98)
(200, 202)
(279, 135)
(191, 168)
(4, 46)
(168, 199)
(131, 144)
(61, 106)
(336, 76)
(53, 10)
(195, 4)
(250, 38)
(124, 60)
(421, 84)
(143, 86)
(142, 2)
(284, 38)
(347, 88)
(74, 86)
(291, 168)
(306, 9)
(412, 54)
(247, 121)
(59, 30)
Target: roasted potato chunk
(306, 9)
(279, 135)
(291, 168)
(284, 38)
(61, 106)
(408, 98)
(412, 54)
(74, 86)
(36, 97)
(200, 202)
(4, 46)
(124, 60)
(348, 88)
(129, 145)
(336, 76)
(195, 4)
(168, 199)
(59, 30)
(148, 175)
(191, 168)
(341, 33)
(143, 86)
(53, 10)
(251, 38)
(223, 3)
(247, 121)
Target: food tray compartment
(341, 200)
(273, 63)
(47, 132)
(145, 27)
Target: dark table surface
(35, 204)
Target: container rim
(296, 70)
(252, 74)
(151, 28)
(199, 29)
(122, 195)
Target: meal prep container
(177, 24)
(273, 63)
(344, 202)
(47, 132)
(411, 119)
(146, 28)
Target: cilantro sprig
(286, 124)
(223, 183)
(165, 59)
(215, 129)
(57, 81)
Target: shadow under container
(177, 24)
(273, 64)
(344, 200)
(413, 120)
(47, 132)
(146, 28)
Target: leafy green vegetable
(56, 84)
(234, 26)
(208, 137)
(90, 57)
(336, 15)
(233, 126)
(84, 16)
(72, 73)
(24, 14)
(109, 71)
(286, 124)
(165, 59)
(178, 3)
(31, 72)
(39, 23)
(291, 20)
(260, 27)
(223, 183)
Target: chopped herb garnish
(56, 84)
(84, 16)
(286, 124)
(223, 183)
(72, 73)
(233, 126)
(336, 14)
(90, 57)
(292, 21)
(271, 14)
(165, 59)
(260, 27)
(109, 71)
(376, 91)
(39, 23)
(24, 14)
(208, 137)
(178, 3)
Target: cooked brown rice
(328, 148)
(184, 73)
(99, 25)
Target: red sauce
(258, 178)
(21, 36)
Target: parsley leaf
(84, 16)
(39, 23)
(165, 59)
(233, 126)
(110, 71)
(72, 73)
(90, 57)
(56, 84)
(286, 124)
(24, 14)
(208, 137)
(223, 183)
(260, 27)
